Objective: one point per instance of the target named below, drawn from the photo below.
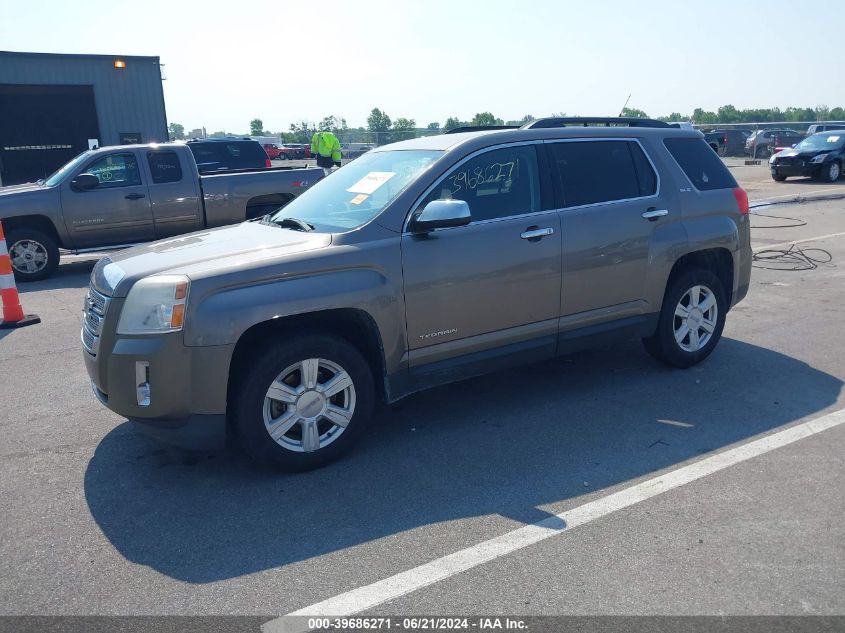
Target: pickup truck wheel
(831, 172)
(778, 177)
(691, 320)
(303, 402)
(34, 255)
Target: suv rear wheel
(302, 402)
(34, 255)
(691, 320)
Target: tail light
(741, 199)
(267, 163)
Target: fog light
(142, 382)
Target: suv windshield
(356, 193)
(823, 140)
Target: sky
(226, 63)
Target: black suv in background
(228, 154)
(727, 142)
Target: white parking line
(798, 196)
(369, 596)
(789, 243)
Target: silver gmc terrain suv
(420, 263)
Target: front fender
(222, 316)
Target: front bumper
(187, 385)
(796, 168)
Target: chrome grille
(93, 322)
(93, 313)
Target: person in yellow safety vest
(326, 147)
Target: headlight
(819, 159)
(155, 304)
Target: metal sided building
(52, 107)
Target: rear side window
(700, 163)
(497, 184)
(164, 167)
(217, 155)
(206, 155)
(646, 178)
(602, 171)
(244, 154)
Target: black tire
(265, 365)
(826, 174)
(778, 177)
(761, 151)
(662, 345)
(24, 237)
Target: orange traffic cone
(13, 315)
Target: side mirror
(794, 144)
(84, 182)
(439, 214)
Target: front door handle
(652, 214)
(134, 196)
(534, 233)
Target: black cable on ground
(793, 258)
(794, 221)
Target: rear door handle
(134, 196)
(535, 234)
(653, 214)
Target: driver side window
(496, 184)
(116, 170)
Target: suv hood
(233, 245)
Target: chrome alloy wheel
(309, 405)
(28, 256)
(695, 318)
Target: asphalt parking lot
(97, 519)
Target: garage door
(42, 127)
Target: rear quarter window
(700, 163)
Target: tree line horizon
(382, 129)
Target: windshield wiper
(289, 223)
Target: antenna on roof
(625, 106)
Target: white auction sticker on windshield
(372, 181)
(832, 139)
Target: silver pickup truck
(124, 195)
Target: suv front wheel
(691, 319)
(302, 402)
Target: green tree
(403, 129)
(256, 127)
(433, 127)
(634, 113)
(837, 114)
(177, 131)
(301, 132)
(675, 117)
(485, 118)
(701, 117)
(378, 125)
(334, 124)
(451, 123)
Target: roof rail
(592, 121)
(480, 128)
